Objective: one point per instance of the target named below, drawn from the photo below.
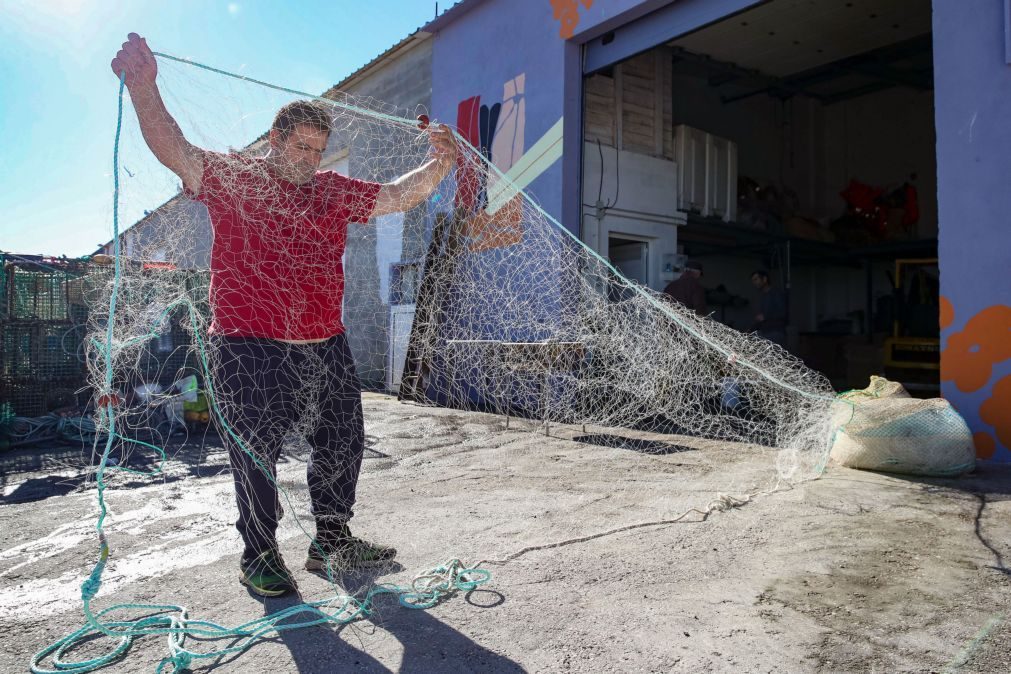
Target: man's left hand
(443, 145)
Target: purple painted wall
(506, 54)
(973, 117)
(482, 49)
(604, 15)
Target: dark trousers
(266, 389)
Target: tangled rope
(33, 430)
(722, 503)
(172, 621)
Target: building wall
(640, 206)
(403, 85)
(181, 221)
(579, 17)
(403, 81)
(973, 90)
(628, 162)
(507, 55)
(484, 46)
(506, 60)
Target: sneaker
(345, 551)
(266, 575)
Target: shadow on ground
(633, 444)
(34, 473)
(429, 645)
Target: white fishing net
(508, 312)
(511, 313)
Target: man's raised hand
(443, 144)
(161, 133)
(136, 60)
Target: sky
(58, 95)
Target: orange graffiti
(567, 12)
(985, 445)
(970, 355)
(996, 411)
(947, 313)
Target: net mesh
(473, 298)
(510, 314)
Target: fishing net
(473, 298)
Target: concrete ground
(853, 572)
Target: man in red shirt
(279, 356)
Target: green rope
(170, 620)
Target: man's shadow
(429, 645)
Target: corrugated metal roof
(451, 14)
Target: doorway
(630, 257)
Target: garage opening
(797, 139)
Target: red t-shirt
(276, 268)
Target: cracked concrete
(853, 572)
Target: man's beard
(301, 173)
(297, 173)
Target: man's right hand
(161, 133)
(136, 60)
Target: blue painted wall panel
(492, 44)
(478, 55)
(973, 117)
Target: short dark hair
(307, 113)
(761, 273)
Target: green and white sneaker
(345, 552)
(266, 575)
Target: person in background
(770, 321)
(688, 290)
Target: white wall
(645, 208)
